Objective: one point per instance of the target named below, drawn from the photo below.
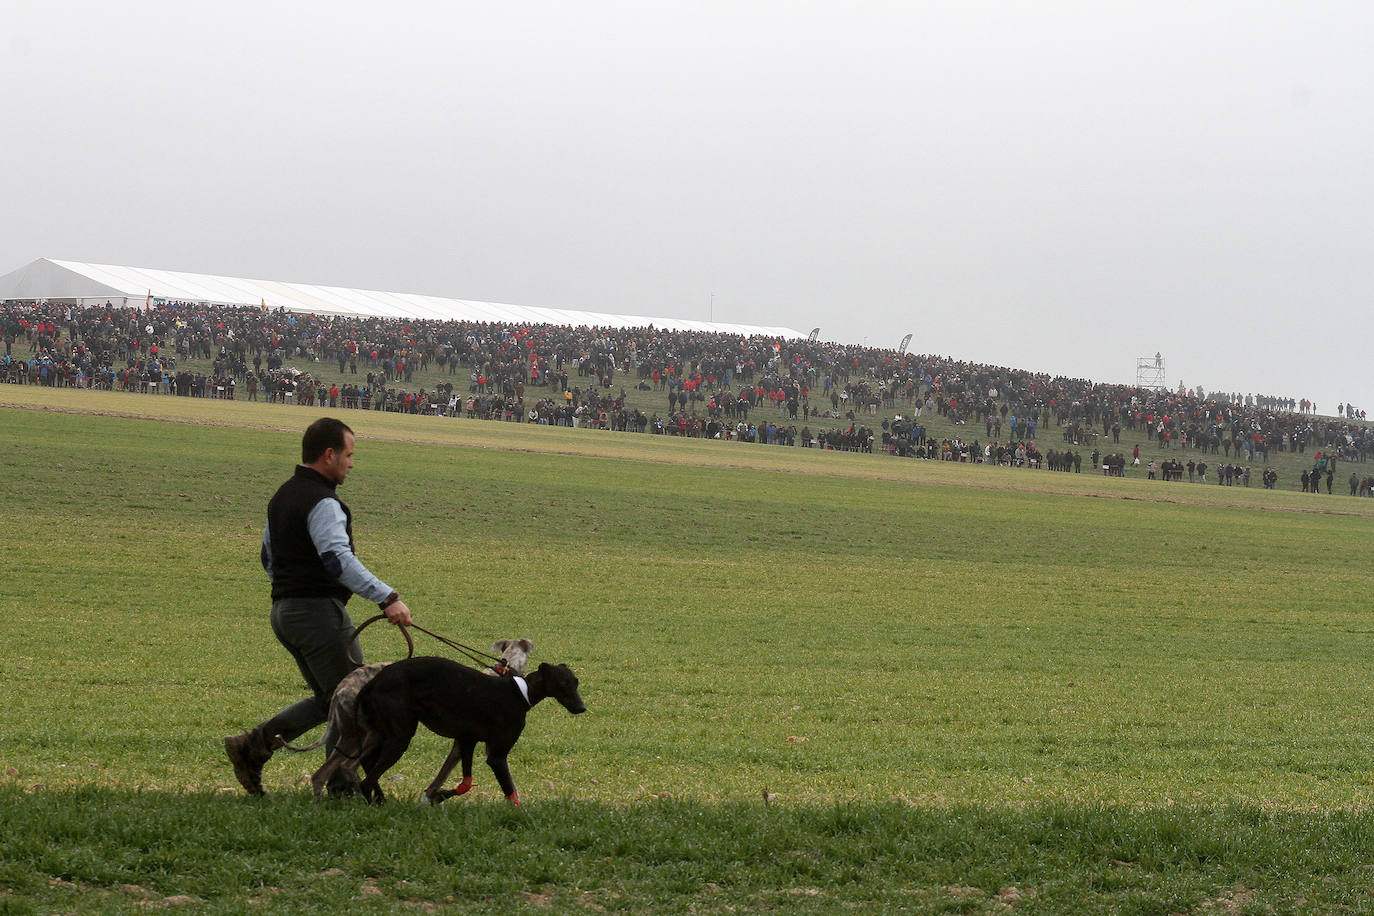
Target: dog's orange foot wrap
(514, 799)
(463, 787)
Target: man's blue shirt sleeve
(329, 531)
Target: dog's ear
(526, 645)
(500, 646)
(544, 668)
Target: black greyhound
(457, 702)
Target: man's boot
(248, 752)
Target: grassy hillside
(1288, 465)
(951, 680)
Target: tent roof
(74, 280)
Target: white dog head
(514, 654)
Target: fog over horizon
(1062, 188)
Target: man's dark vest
(297, 570)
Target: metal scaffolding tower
(1149, 372)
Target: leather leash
(371, 620)
(476, 655)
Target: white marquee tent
(95, 284)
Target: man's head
(327, 447)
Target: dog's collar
(524, 688)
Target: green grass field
(964, 689)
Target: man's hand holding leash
(395, 610)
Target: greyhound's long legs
(331, 763)
(463, 748)
(496, 759)
(382, 755)
(454, 753)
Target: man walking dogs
(307, 551)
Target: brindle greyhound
(456, 702)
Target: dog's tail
(279, 742)
(331, 722)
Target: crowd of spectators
(712, 385)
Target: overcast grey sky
(1062, 187)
